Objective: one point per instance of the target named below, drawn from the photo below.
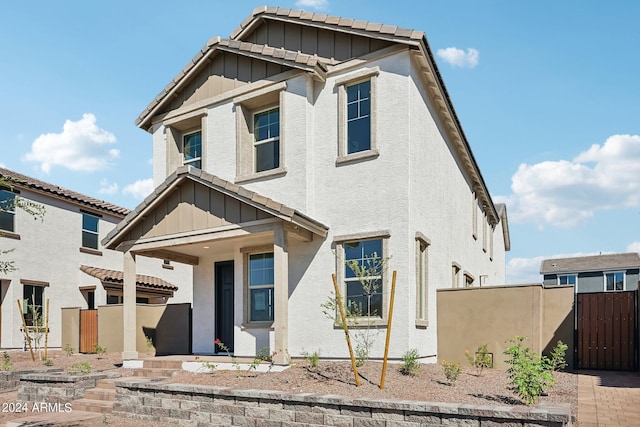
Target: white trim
(624, 280)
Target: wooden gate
(88, 330)
(607, 331)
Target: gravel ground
(488, 388)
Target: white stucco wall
(48, 251)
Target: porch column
(281, 295)
(129, 307)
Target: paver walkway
(608, 398)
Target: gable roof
(590, 263)
(183, 173)
(415, 40)
(117, 277)
(19, 180)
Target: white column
(129, 307)
(281, 295)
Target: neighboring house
(597, 273)
(61, 259)
(299, 143)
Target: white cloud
(458, 58)
(139, 189)
(82, 146)
(315, 4)
(107, 188)
(527, 270)
(633, 247)
(2, 165)
(566, 193)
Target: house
(596, 273)
(61, 259)
(302, 142)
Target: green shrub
(312, 358)
(529, 373)
(99, 349)
(6, 362)
(47, 362)
(79, 368)
(558, 360)
(451, 370)
(410, 364)
(68, 349)
(480, 359)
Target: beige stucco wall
(110, 325)
(70, 328)
(468, 318)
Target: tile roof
(24, 181)
(116, 277)
(590, 263)
(226, 187)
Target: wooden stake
(346, 328)
(26, 331)
(46, 331)
(386, 344)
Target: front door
(224, 303)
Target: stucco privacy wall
(491, 315)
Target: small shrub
(99, 349)
(209, 365)
(68, 349)
(6, 362)
(558, 360)
(149, 342)
(480, 359)
(79, 368)
(312, 358)
(529, 373)
(410, 364)
(47, 362)
(451, 370)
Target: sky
(547, 93)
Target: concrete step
(154, 372)
(108, 395)
(107, 383)
(93, 405)
(162, 364)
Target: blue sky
(547, 93)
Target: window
(114, 299)
(260, 279)
(363, 276)
(7, 211)
(266, 132)
(192, 149)
(89, 231)
(614, 281)
(32, 304)
(474, 215)
(357, 112)
(468, 280)
(422, 245)
(569, 279)
(455, 275)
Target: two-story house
(60, 259)
(298, 144)
(595, 273)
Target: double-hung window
(359, 117)
(192, 149)
(32, 305)
(266, 132)
(569, 279)
(89, 231)
(614, 281)
(363, 274)
(260, 279)
(422, 289)
(7, 211)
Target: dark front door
(224, 303)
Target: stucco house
(596, 273)
(61, 259)
(301, 142)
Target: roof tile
(388, 29)
(116, 276)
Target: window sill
(364, 323)
(9, 235)
(257, 325)
(357, 157)
(90, 251)
(422, 324)
(167, 267)
(272, 173)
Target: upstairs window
(614, 281)
(266, 131)
(359, 117)
(569, 279)
(7, 211)
(192, 149)
(89, 231)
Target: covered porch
(238, 244)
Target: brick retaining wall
(9, 380)
(205, 405)
(56, 387)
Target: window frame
(455, 275)
(614, 272)
(248, 287)
(9, 212)
(339, 242)
(342, 83)
(558, 280)
(96, 232)
(190, 162)
(257, 143)
(25, 297)
(422, 244)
